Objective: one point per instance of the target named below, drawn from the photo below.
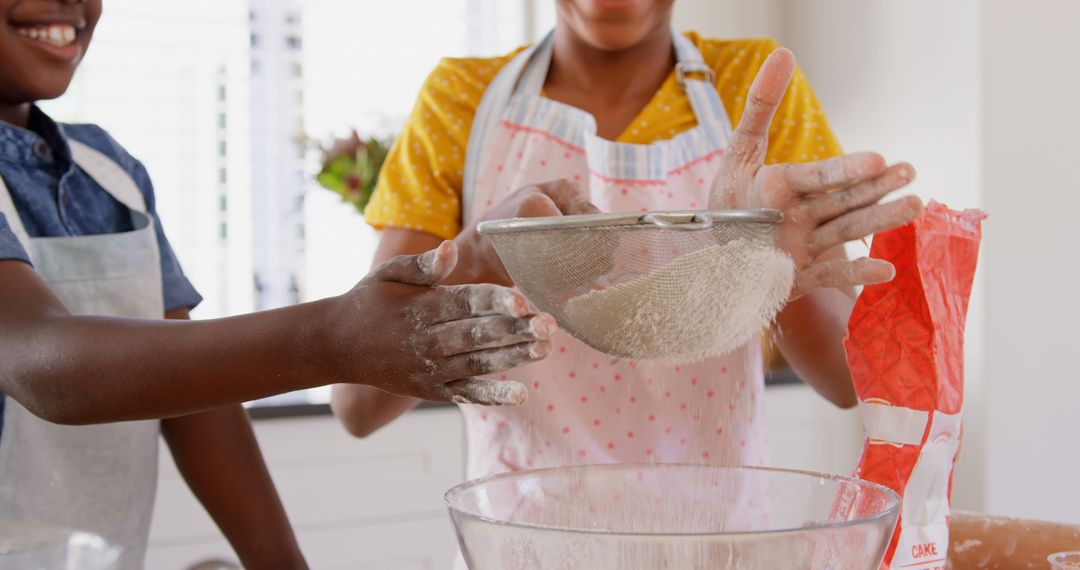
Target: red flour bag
(905, 347)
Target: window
(264, 70)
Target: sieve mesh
(670, 286)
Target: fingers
(460, 337)
(835, 204)
(864, 222)
(842, 273)
(567, 197)
(491, 361)
(425, 269)
(485, 392)
(483, 346)
(459, 302)
(749, 140)
(837, 172)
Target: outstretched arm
(395, 330)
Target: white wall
(1032, 191)
(901, 78)
(729, 18)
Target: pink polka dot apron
(585, 406)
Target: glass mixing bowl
(25, 547)
(684, 517)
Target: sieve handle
(675, 222)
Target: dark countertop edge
(274, 412)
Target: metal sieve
(646, 286)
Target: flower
(350, 167)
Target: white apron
(99, 478)
(585, 406)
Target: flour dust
(704, 303)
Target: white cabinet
(807, 432)
(373, 503)
(376, 504)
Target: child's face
(41, 44)
(614, 24)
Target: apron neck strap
(692, 73)
(536, 69)
(109, 175)
(11, 215)
(525, 75)
(489, 113)
(102, 169)
(698, 80)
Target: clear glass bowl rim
(891, 510)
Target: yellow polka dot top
(420, 185)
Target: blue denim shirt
(55, 198)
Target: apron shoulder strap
(486, 120)
(11, 215)
(698, 80)
(104, 170)
(109, 175)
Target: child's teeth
(57, 35)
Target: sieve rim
(628, 220)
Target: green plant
(350, 167)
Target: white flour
(488, 392)
(702, 304)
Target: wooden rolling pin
(980, 542)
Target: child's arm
(218, 456)
(394, 331)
